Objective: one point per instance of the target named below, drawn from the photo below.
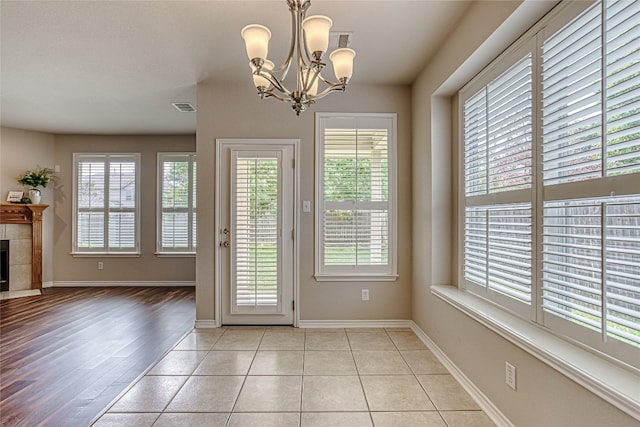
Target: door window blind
(256, 234)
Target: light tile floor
(281, 377)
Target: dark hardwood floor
(65, 355)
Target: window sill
(611, 382)
(105, 254)
(354, 278)
(175, 254)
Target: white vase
(35, 196)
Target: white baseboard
(206, 324)
(110, 284)
(485, 404)
(47, 284)
(355, 324)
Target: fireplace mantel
(11, 213)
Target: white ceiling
(114, 67)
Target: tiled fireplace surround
(19, 237)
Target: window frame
(514, 55)
(384, 272)
(105, 158)
(557, 19)
(190, 250)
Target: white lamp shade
(313, 89)
(256, 38)
(316, 31)
(343, 62)
(258, 80)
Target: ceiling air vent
(184, 107)
(339, 39)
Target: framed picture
(14, 196)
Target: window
(356, 197)
(561, 246)
(498, 160)
(106, 212)
(176, 203)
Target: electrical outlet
(510, 375)
(100, 265)
(365, 295)
(306, 206)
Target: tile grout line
(305, 352)
(364, 394)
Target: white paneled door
(256, 232)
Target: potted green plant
(40, 177)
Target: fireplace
(12, 215)
(4, 265)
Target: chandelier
(309, 43)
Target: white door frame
(257, 144)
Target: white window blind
(497, 129)
(356, 204)
(591, 131)
(591, 257)
(509, 128)
(476, 241)
(497, 133)
(578, 218)
(623, 87)
(498, 249)
(475, 144)
(576, 147)
(90, 213)
(177, 202)
(106, 203)
(572, 120)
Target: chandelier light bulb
(316, 31)
(313, 88)
(256, 38)
(343, 62)
(258, 80)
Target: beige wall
(148, 267)
(22, 150)
(228, 111)
(544, 397)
